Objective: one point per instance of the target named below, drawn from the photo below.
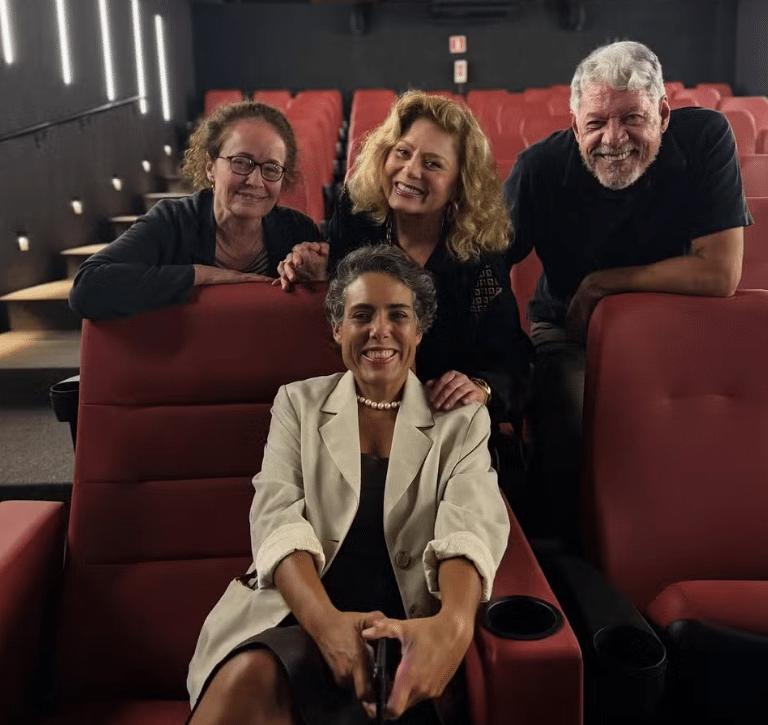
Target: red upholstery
(174, 411)
(672, 87)
(676, 409)
(756, 105)
(724, 89)
(277, 99)
(754, 174)
(743, 125)
(684, 99)
(754, 274)
(737, 604)
(536, 128)
(215, 98)
(31, 555)
(513, 681)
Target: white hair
(624, 65)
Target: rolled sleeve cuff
(462, 543)
(282, 543)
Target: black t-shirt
(577, 226)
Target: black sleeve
(503, 355)
(148, 266)
(518, 197)
(718, 195)
(284, 229)
(348, 231)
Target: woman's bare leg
(249, 688)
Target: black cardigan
(150, 265)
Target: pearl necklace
(379, 406)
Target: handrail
(29, 130)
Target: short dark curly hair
(392, 261)
(207, 139)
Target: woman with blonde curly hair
(230, 230)
(425, 180)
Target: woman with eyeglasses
(230, 230)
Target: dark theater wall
(42, 172)
(752, 48)
(299, 45)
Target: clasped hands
(432, 650)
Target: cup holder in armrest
(521, 617)
(629, 648)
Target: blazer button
(403, 559)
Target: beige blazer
(441, 500)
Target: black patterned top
(477, 328)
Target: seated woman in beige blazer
(374, 516)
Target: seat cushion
(121, 712)
(742, 605)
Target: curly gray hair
(624, 65)
(392, 261)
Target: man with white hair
(631, 198)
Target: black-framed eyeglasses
(244, 165)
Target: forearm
(460, 591)
(298, 582)
(690, 275)
(102, 291)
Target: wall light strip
(5, 31)
(138, 47)
(162, 64)
(106, 47)
(66, 58)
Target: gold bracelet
(484, 387)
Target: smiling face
(619, 133)
(378, 334)
(421, 170)
(246, 196)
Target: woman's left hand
(432, 650)
(453, 388)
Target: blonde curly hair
(207, 139)
(478, 217)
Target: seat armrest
(31, 560)
(625, 660)
(524, 680)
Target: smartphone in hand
(380, 684)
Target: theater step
(33, 360)
(42, 307)
(122, 223)
(77, 255)
(153, 197)
(177, 183)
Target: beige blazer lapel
(340, 433)
(410, 442)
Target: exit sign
(458, 43)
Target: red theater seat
(536, 128)
(524, 276)
(676, 409)
(174, 412)
(757, 106)
(743, 125)
(754, 274)
(215, 98)
(754, 174)
(277, 99)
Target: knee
(254, 672)
(250, 687)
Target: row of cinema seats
(669, 608)
(317, 119)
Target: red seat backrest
(754, 174)
(221, 97)
(743, 125)
(756, 105)
(523, 278)
(174, 412)
(754, 274)
(675, 420)
(276, 98)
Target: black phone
(380, 677)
